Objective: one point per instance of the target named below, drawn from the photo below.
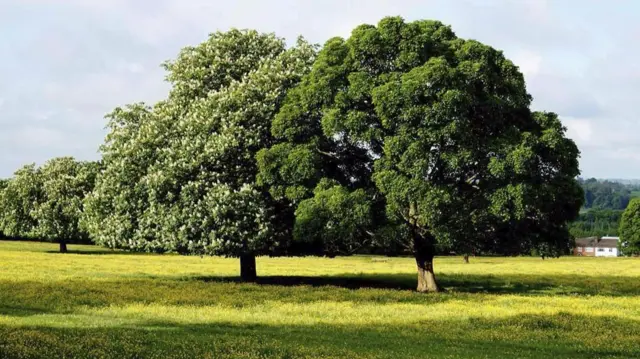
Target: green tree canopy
(65, 183)
(180, 176)
(46, 202)
(18, 201)
(630, 228)
(430, 137)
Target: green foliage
(603, 206)
(181, 176)
(630, 228)
(20, 197)
(596, 222)
(46, 203)
(333, 219)
(605, 194)
(65, 183)
(116, 206)
(433, 128)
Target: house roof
(586, 242)
(604, 242)
(608, 243)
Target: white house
(607, 247)
(597, 247)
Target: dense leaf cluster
(180, 176)
(47, 202)
(630, 228)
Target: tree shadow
(98, 252)
(21, 311)
(399, 282)
(459, 283)
(523, 336)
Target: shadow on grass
(522, 336)
(461, 283)
(21, 310)
(400, 282)
(98, 252)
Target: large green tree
(630, 228)
(430, 139)
(180, 176)
(65, 183)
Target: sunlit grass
(99, 303)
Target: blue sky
(66, 63)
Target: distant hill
(628, 182)
(604, 202)
(606, 194)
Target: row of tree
(596, 222)
(47, 202)
(604, 203)
(401, 137)
(605, 194)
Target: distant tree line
(400, 138)
(605, 194)
(604, 203)
(597, 222)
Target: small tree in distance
(20, 196)
(630, 228)
(65, 183)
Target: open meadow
(95, 303)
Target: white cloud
(580, 130)
(129, 67)
(35, 137)
(135, 68)
(528, 61)
(42, 115)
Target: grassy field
(94, 303)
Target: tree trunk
(424, 251)
(426, 277)
(63, 247)
(248, 268)
(466, 258)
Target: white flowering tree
(20, 195)
(180, 176)
(47, 202)
(65, 183)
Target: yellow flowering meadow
(97, 303)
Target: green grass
(96, 303)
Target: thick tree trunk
(424, 251)
(63, 247)
(466, 258)
(426, 277)
(248, 268)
